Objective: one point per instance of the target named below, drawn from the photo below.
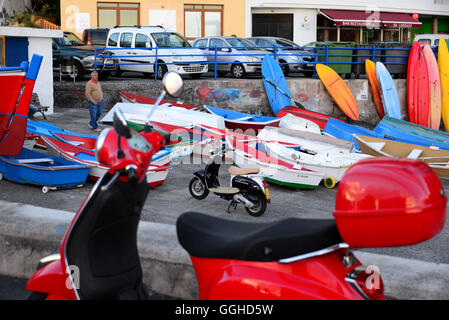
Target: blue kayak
(275, 84)
(243, 121)
(388, 92)
(412, 133)
(345, 131)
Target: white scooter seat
(236, 171)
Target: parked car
(95, 36)
(235, 55)
(296, 59)
(432, 39)
(83, 56)
(173, 51)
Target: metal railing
(308, 56)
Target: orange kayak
(370, 68)
(338, 90)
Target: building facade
(358, 21)
(190, 18)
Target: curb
(28, 233)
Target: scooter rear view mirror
(173, 84)
(120, 124)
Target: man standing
(94, 97)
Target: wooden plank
(414, 154)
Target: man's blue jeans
(95, 111)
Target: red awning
(370, 19)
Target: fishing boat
(243, 121)
(67, 147)
(408, 132)
(32, 167)
(16, 88)
(306, 141)
(436, 158)
(134, 98)
(332, 164)
(136, 115)
(273, 170)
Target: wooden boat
(137, 114)
(31, 167)
(319, 118)
(68, 148)
(370, 68)
(408, 132)
(243, 121)
(434, 88)
(305, 140)
(16, 88)
(443, 66)
(333, 165)
(418, 86)
(388, 92)
(436, 158)
(134, 98)
(338, 90)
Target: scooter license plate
(267, 193)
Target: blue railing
(328, 55)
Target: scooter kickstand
(233, 203)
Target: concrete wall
(240, 95)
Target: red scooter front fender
(52, 279)
(316, 278)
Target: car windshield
(285, 43)
(169, 39)
(242, 44)
(70, 39)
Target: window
(203, 21)
(169, 39)
(113, 39)
(201, 43)
(141, 40)
(126, 39)
(425, 41)
(217, 43)
(112, 14)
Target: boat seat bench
(35, 160)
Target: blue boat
(243, 121)
(42, 128)
(388, 92)
(275, 84)
(32, 167)
(405, 131)
(345, 131)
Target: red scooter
(99, 257)
(381, 202)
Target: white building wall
(44, 83)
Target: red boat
(16, 87)
(134, 98)
(319, 118)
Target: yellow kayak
(443, 65)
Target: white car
(432, 39)
(140, 47)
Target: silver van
(140, 47)
(232, 54)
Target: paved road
(165, 203)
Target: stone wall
(245, 95)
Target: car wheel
(238, 71)
(79, 71)
(161, 70)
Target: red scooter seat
(205, 236)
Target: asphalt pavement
(166, 202)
